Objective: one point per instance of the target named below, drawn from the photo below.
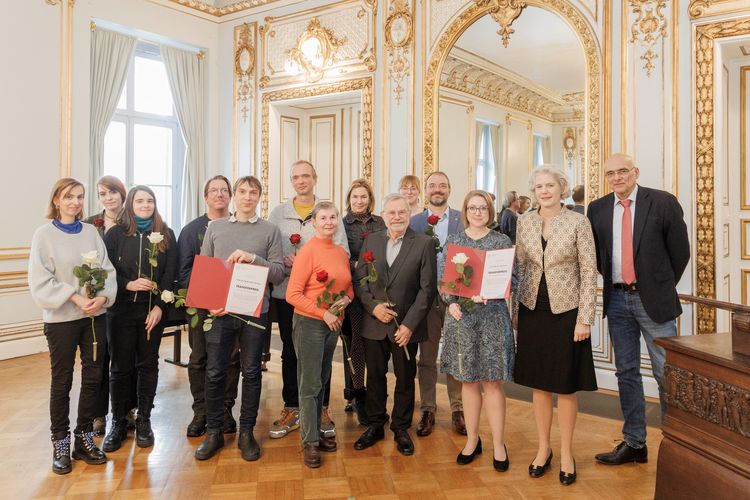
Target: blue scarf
(73, 228)
(143, 224)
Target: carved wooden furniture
(705, 452)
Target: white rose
(91, 258)
(167, 296)
(155, 238)
(460, 258)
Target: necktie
(626, 250)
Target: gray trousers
(427, 363)
(314, 344)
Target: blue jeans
(314, 344)
(220, 341)
(627, 319)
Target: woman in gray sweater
(73, 318)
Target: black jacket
(661, 249)
(129, 255)
(189, 245)
(357, 232)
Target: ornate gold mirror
(509, 86)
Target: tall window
(541, 149)
(143, 144)
(485, 161)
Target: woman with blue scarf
(144, 252)
(73, 318)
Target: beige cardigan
(568, 263)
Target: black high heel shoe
(502, 465)
(539, 470)
(462, 459)
(566, 479)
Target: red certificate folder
(209, 283)
(476, 260)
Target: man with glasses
(217, 193)
(437, 191)
(642, 249)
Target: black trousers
(102, 398)
(132, 350)
(377, 354)
(221, 341)
(289, 391)
(197, 370)
(64, 339)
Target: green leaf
(194, 321)
(207, 326)
(466, 281)
(326, 295)
(191, 311)
(182, 292)
(468, 271)
(153, 262)
(77, 272)
(179, 303)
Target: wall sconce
(315, 51)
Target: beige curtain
(111, 54)
(496, 134)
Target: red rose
(368, 257)
(321, 276)
(295, 239)
(433, 219)
(364, 235)
(98, 222)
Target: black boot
(85, 449)
(144, 436)
(197, 427)
(117, 434)
(213, 442)
(61, 455)
(249, 446)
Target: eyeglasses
(396, 213)
(622, 172)
(473, 210)
(410, 188)
(215, 192)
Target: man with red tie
(642, 249)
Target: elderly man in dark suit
(396, 299)
(444, 222)
(642, 249)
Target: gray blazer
(410, 284)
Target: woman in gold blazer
(554, 309)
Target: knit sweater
(286, 218)
(53, 256)
(259, 237)
(304, 288)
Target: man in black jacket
(217, 193)
(396, 306)
(642, 249)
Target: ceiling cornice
(222, 11)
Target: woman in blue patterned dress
(486, 336)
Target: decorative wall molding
(364, 85)
(648, 28)
(233, 8)
(708, 8)
(504, 12)
(398, 35)
(504, 88)
(703, 65)
(446, 41)
(244, 66)
(347, 27)
(22, 330)
(714, 401)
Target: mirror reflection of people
(111, 193)
(524, 203)
(396, 307)
(56, 249)
(359, 223)
(134, 329)
(217, 194)
(241, 238)
(643, 249)
(449, 221)
(295, 217)
(578, 196)
(509, 215)
(316, 328)
(554, 308)
(487, 344)
(409, 188)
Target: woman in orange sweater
(320, 288)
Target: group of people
(373, 281)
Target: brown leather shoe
(426, 424)
(459, 425)
(311, 455)
(326, 444)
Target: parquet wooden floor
(168, 470)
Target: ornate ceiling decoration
(505, 89)
(222, 11)
(504, 12)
